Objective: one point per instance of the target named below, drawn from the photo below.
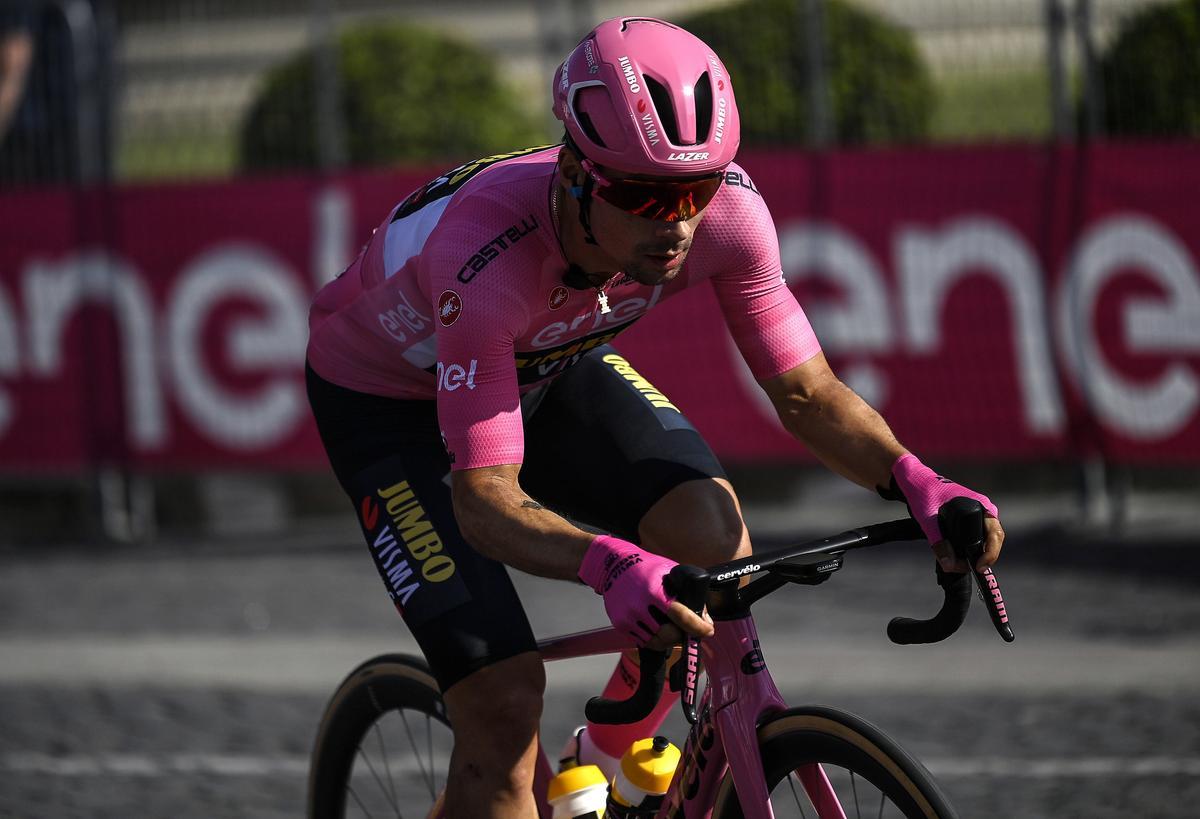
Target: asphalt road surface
(188, 681)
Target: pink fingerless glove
(925, 491)
(631, 581)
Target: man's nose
(675, 231)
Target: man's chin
(651, 277)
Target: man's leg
(698, 522)
(635, 466)
(495, 714)
(460, 606)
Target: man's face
(649, 251)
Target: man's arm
(505, 524)
(502, 522)
(16, 54)
(851, 438)
(836, 425)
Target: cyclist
(470, 340)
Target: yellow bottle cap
(650, 763)
(575, 779)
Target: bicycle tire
(801, 736)
(383, 685)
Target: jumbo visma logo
(648, 390)
(407, 544)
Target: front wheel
(868, 774)
(383, 748)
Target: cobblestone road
(181, 683)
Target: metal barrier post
(124, 499)
(331, 133)
(1093, 92)
(1060, 104)
(820, 128)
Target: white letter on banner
(861, 322)
(10, 357)
(333, 220)
(272, 342)
(1171, 325)
(54, 292)
(930, 264)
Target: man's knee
(495, 711)
(697, 522)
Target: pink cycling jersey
(459, 296)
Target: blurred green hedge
(880, 88)
(1151, 72)
(407, 95)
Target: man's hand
(925, 491)
(993, 542)
(683, 621)
(631, 582)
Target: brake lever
(961, 520)
(988, 587)
(689, 585)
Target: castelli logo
(449, 307)
(558, 297)
(370, 514)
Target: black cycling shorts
(602, 446)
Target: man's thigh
(604, 446)
(387, 454)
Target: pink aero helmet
(643, 96)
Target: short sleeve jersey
(459, 297)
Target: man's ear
(569, 170)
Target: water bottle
(645, 774)
(578, 792)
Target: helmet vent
(662, 104)
(702, 94)
(625, 23)
(589, 128)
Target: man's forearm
(843, 431)
(16, 53)
(505, 524)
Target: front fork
(739, 695)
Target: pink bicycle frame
(740, 694)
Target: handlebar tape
(957, 600)
(961, 522)
(652, 670)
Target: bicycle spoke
(416, 753)
(361, 806)
(796, 796)
(429, 744)
(378, 781)
(881, 805)
(854, 790)
(386, 767)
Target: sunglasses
(660, 199)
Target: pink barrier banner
(1011, 303)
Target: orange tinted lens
(664, 201)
